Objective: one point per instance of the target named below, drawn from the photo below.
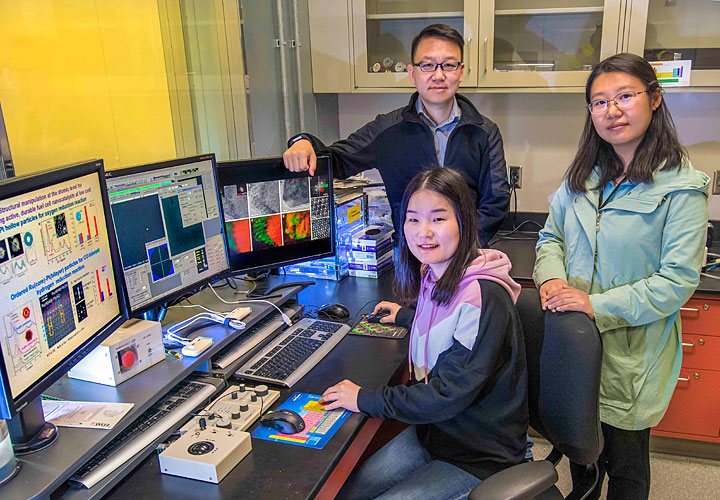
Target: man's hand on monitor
(300, 157)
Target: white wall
(541, 132)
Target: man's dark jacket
(399, 144)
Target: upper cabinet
(383, 31)
(679, 29)
(545, 43)
(364, 45)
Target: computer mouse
(284, 421)
(334, 311)
(375, 318)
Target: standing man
(437, 128)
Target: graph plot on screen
(56, 240)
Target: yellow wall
(83, 79)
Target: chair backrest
(564, 354)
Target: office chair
(563, 361)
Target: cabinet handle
(487, 57)
(688, 344)
(690, 309)
(468, 44)
(683, 379)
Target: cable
(361, 309)
(201, 307)
(515, 230)
(284, 316)
(254, 282)
(710, 276)
(171, 331)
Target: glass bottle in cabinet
(545, 43)
(383, 31)
(679, 30)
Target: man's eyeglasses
(622, 100)
(431, 67)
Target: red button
(127, 359)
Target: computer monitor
(169, 228)
(274, 217)
(61, 287)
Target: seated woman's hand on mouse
(392, 309)
(342, 395)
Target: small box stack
(349, 218)
(371, 253)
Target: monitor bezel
(278, 162)
(137, 169)
(16, 186)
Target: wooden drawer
(700, 351)
(701, 315)
(694, 407)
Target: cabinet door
(678, 29)
(383, 31)
(694, 407)
(545, 43)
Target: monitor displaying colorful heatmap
(274, 217)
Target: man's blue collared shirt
(441, 131)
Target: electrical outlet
(716, 182)
(515, 177)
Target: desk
(272, 470)
(278, 471)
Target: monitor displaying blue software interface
(169, 228)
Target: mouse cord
(363, 307)
(284, 316)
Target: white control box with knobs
(215, 441)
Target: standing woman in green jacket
(623, 243)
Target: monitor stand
(265, 293)
(155, 314)
(28, 430)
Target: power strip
(214, 442)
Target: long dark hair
(408, 270)
(660, 142)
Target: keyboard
(248, 340)
(177, 404)
(294, 352)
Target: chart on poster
(56, 279)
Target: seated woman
(624, 243)
(468, 411)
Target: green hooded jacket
(639, 260)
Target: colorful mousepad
(378, 329)
(320, 425)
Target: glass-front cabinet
(383, 31)
(363, 45)
(545, 43)
(679, 29)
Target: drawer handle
(690, 309)
(688, 344)
(683, 379)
